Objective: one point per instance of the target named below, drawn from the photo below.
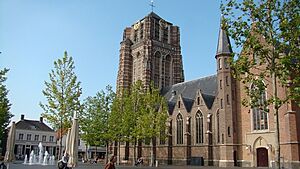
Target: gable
(188, 91)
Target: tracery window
(179, 121)
(199, 127)
(259, 116)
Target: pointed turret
(224, 47)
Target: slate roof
(188, 90)
(224, 46)
(32, 125)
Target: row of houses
(29, 133)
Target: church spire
(224, 46)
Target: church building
(207, 124)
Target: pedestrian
(139, 161)
(62, 164)
(111, 163)
(2, 165)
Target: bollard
(156, 163)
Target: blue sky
(35, 33)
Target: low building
(29, 133)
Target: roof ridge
(209, 76)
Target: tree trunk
(119, 153)
(61, 137)
(151, 164)
(276, 123)
(106, 153)
(134, 153)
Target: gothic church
(207, 123)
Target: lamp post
(188, 140)
(209, 136)
(169, 135)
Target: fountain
(40, 153)
(25, 159)
(41, 158)
(52, 160)
(46, 160)
(31, 158)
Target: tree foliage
(138, 114)
(62, 93)
(5, 114)
(97, 110)
(268, 34)
(267, 30)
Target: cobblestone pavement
(19, 165)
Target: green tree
(62, 93)
(5, 114)
(138, 114)
(268, 31)
(127, 109)
(97, 111)
(152, 120)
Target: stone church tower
(150, 52)
(226, 111)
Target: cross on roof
(152, 5)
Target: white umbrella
(9, 154)
(73, 143)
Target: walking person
(62, 164)
(111, 163)
(2, 165)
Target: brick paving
(19, 165)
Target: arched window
(167, 70)
(199, 127)
(156, 69)
(226, 63)
(179, 121)
(259, 116)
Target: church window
(178, 104)
(167, 70)
(179, 121)
(226, 81)
(226, 63)
(141, 31)
(156, 29)
(221, 102)
(218, 127)
(165, 35)
(222, 138)
(228, 101)
(199, 127)
(198, 100)
(259, 116)
(135, 36)
(228, 131)
(219, 64)
(156, 69)
(220, 84)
